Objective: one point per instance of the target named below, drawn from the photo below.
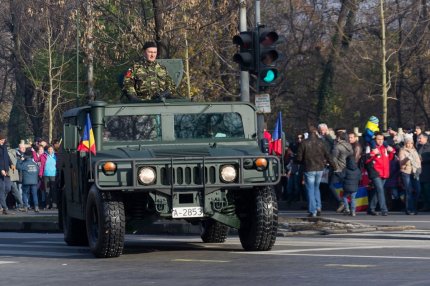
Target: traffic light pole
(260, 116)
(244, 75)
(257, 13)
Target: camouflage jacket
(147, 80)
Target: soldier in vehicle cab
(148, 79)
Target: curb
(33, 226)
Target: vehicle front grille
(189, 175)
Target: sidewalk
(44, 221)
(291, 222)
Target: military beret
(149, 45)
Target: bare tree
(41, 59)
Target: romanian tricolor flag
(88, 143)
(361, 198)
(277, 136)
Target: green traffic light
(269, 77)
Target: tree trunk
(383, 68)
(400, 70)
(90, 50)
(325, 90)
(24, 87)
(159, 28)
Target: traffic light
(246, 56)
(267, 72)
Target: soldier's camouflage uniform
(147, 80)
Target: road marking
(200, 260)
(42, 253)
(40, 246)
(356, 256)
(8, 262)
(288, 251)
(350, 265)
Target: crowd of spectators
(394, 167)
(28, 178)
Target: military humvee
(200, 162)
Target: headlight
(147, 175)
(228, 173)
(261, 164)
(109, 168)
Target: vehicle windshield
(209, 125)
(132, 128)
(186, 126)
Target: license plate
(187, 212)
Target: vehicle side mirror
(70, 137)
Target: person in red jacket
(378, 164)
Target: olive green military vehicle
(198, 162)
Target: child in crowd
(372, 126)
(350, 184)
(30, 178)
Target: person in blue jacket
(30, 177)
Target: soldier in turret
(149, 79)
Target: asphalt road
(351, 259)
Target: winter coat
(13, 174)
(357, 150)
(30, 171)
(328, 142)
(5, 162)
(352, 175)
(47, 165)
(341, 150)
(393, 180)
(313, 154)
(424, 152)
(378, 165)
(369, 131)
(410, 161)
(19, 157)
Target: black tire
(105, 219)
(259, 226)
(213, 231)
(75, 233)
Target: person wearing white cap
(410, 168)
